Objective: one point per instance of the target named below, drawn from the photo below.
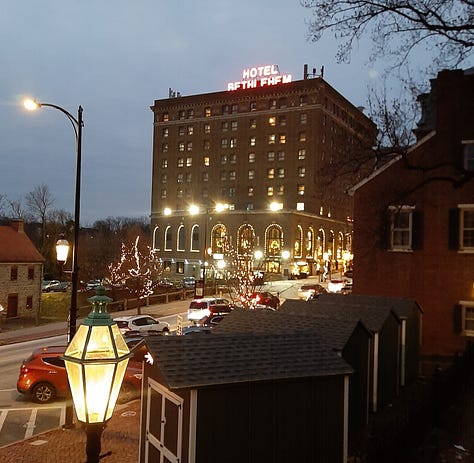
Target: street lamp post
(77, 124)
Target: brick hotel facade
(258, 149)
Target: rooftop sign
(261, 76)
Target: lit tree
(138, 271)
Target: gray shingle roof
(193, 361)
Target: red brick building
(414, 219)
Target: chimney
(18, 225)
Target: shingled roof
(16, 247)
(335, 333)
(193, 361)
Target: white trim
(375, 372)
(193, 402)
(346, 420)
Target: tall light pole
(77, 124)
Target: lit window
(468, 155)
(300, 190)
(301, 154)
(253, 141)
(231, 192)
(164, 178)
(181, 146)
(224, 159)
(281, 155)
(272, 121)
(232, 175)
(181, 130)
(164, 147)
(180, 178)
(301, 171)
(190, 129)
(281, 172)
(251, 174)
(271, 173)
(207, 161)
(271, 156)
(189, 146)
(166, 117)
(189, 162)
(235, 108)
(253, 105)
(233, 126)
(251, 157)
(271, 139)
(179, 192)
(300, 206)
(233, 158)
(180, 162)
(207, 112)
(164, 163)
(302, 136)
(166, 132)
(303, 118)
(401, 227)
(282, 138)
(253, 123)
(224, 143)
(269, 191)
(250, 191)
(280, 190)
(207, 128)
(225, 126)
(233, 142)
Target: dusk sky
(114, 59)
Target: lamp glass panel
(101, 344)
(62, 250)
(74, 374)
(77, 344)
(119, 374)
(122, 348)
(99, 378)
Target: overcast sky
(114, 59)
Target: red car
(262, 299)
(43, 376)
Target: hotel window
(225, 126)
(324, 119)
(282, 103)
(223, 158)
(181, 130)
(29, 302)
(250, 206)
(164, 163)
(189, 146)
(233, 126)
(461, 228)
(233, 158)
(164, 178)
(31, 273)
(253, 123)
(207, 144)
(300, 206)
(180, 238)
(281, 172)
(205, 176)
(235, 109)
(189, 161)
(271, 173)
(224, 143)
(223, 192)
(207, 128)
(250, 191)
(179, 192)
(280, 191)
(253, 141)
(282, 120)
(269, 191)
(181, 146)
(303, 100)
(223, 175)
(180, 162)
(207, 112)
(251, 174)
(231, 192)
(271, 139)
(251, 157)
(465, 312)
(402, 224)
(272, 121)
(206, 161)
(300, 190)
(303, 118)
(302, 136)
(225, 109)
(271, 156)
(232, 175)
(281, 155)
(168, 238)
(468, 155)
(190, 113)
(282, 138)
(272, 104)
(166, 117)
(189, 177)
(190, 130)
(166, 132)
(301, 171)
(253, 105)
(233, 142)
(182, 114)
(301, 154)
(164, 148)
(180, 178)
(205, 193)
(164, 193)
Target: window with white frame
(468, 155)
(401, 227)
(466, 235)
(181, 130)
(180, 238)
(206, 161)
(189, 162)
(467, 318)
(164, 163)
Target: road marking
(31, 424)
(3, 416)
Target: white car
(200, 308)
(141, 324)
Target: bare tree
(138, 271)
(398, 28)
(3, 204)
(17, 210)
(38, 202)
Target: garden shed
(241, 398)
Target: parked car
(43, 376)
(200, 308)
(265, 299)
(335, 285)
(310, 290)
(189, 282)
(92, 284)
(141, 323)
(195, 329)
(211, 320)
(46, 285)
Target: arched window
(180, 238)
(218, 235)
(321, 243)
(245, 239)
(168, 238)
(309, 245)
(298, 245)
(156, 238)
(273, 241)
(195, 237)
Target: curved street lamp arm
(74, 122)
